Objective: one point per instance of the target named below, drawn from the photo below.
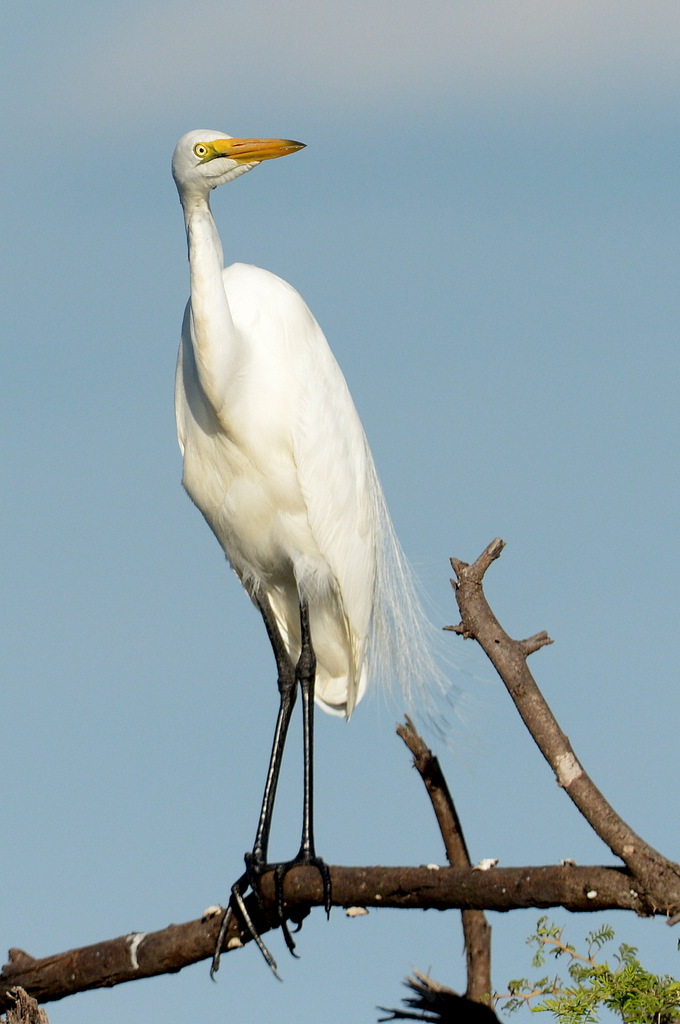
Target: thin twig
(476, 929)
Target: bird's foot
(303, 859)
(249, 879)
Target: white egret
(276, 459)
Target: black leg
(256, 862)
(287, 684)
(305, 672)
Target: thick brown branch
(657, 878)
(144, 955)
(476, 930)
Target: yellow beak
(249, 151)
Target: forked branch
(657, 878)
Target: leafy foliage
(627, 989)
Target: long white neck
(213, 335)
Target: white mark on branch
(135, 941)
(568, 862)
(356, 911)
(211, 912)
(567, 769)
(486, 864)
(591, 894)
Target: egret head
(205, 159)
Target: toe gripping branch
(238, 907)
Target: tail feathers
(403, 641)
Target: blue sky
(485, 223)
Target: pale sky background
(485, 222)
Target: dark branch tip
(475, 573)
(17, 957)
(458, 567)
(490, 553)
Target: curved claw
(221, 935)
(279, 875)
(322, 868)
(280, 872)
(255, 935)
(237, 890)
(290, 943)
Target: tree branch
(144, 955)
(650, 884)
(657, 879)
(476, 930)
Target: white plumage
(275, 456)
(276, 459)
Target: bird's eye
(201, 150)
